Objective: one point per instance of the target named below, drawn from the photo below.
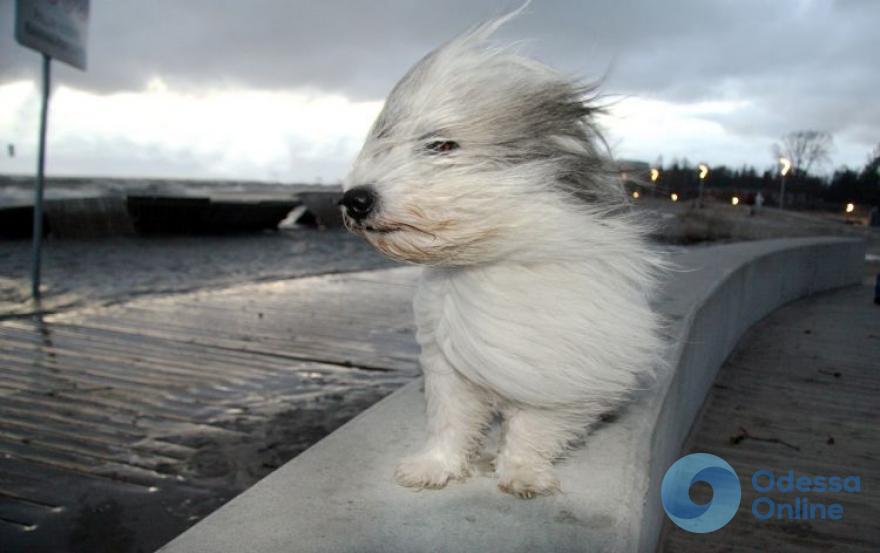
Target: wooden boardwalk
(121, 426)
(801, 392)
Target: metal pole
(38, 191)
(782, 193)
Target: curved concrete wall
(339, 495)
(742, 284)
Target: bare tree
(805, 149)
(872, 167)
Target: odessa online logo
(675, 492)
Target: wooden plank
(164, 395)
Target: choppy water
(105, 271)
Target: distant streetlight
(734, 201)
(655, 174)
(673, 197)
(785, 166)
(636, 195)
(850, 207)
(704, 172)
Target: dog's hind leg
(532, 439)
(458, 415)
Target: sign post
(38, 190)
(57, 29)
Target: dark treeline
(861, 186)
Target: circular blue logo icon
(675, 492)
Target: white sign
(56, 28)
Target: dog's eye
(442, 146)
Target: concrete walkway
(801, 392)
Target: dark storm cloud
(798, 64)
(357, 48)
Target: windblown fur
(534, 298)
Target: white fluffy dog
(533, 304)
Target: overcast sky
(285, 90)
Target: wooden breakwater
(148, 215)
(97, 207)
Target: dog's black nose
(359, 202)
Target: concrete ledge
(339, 495)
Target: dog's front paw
(527, 481)
(428, 471)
